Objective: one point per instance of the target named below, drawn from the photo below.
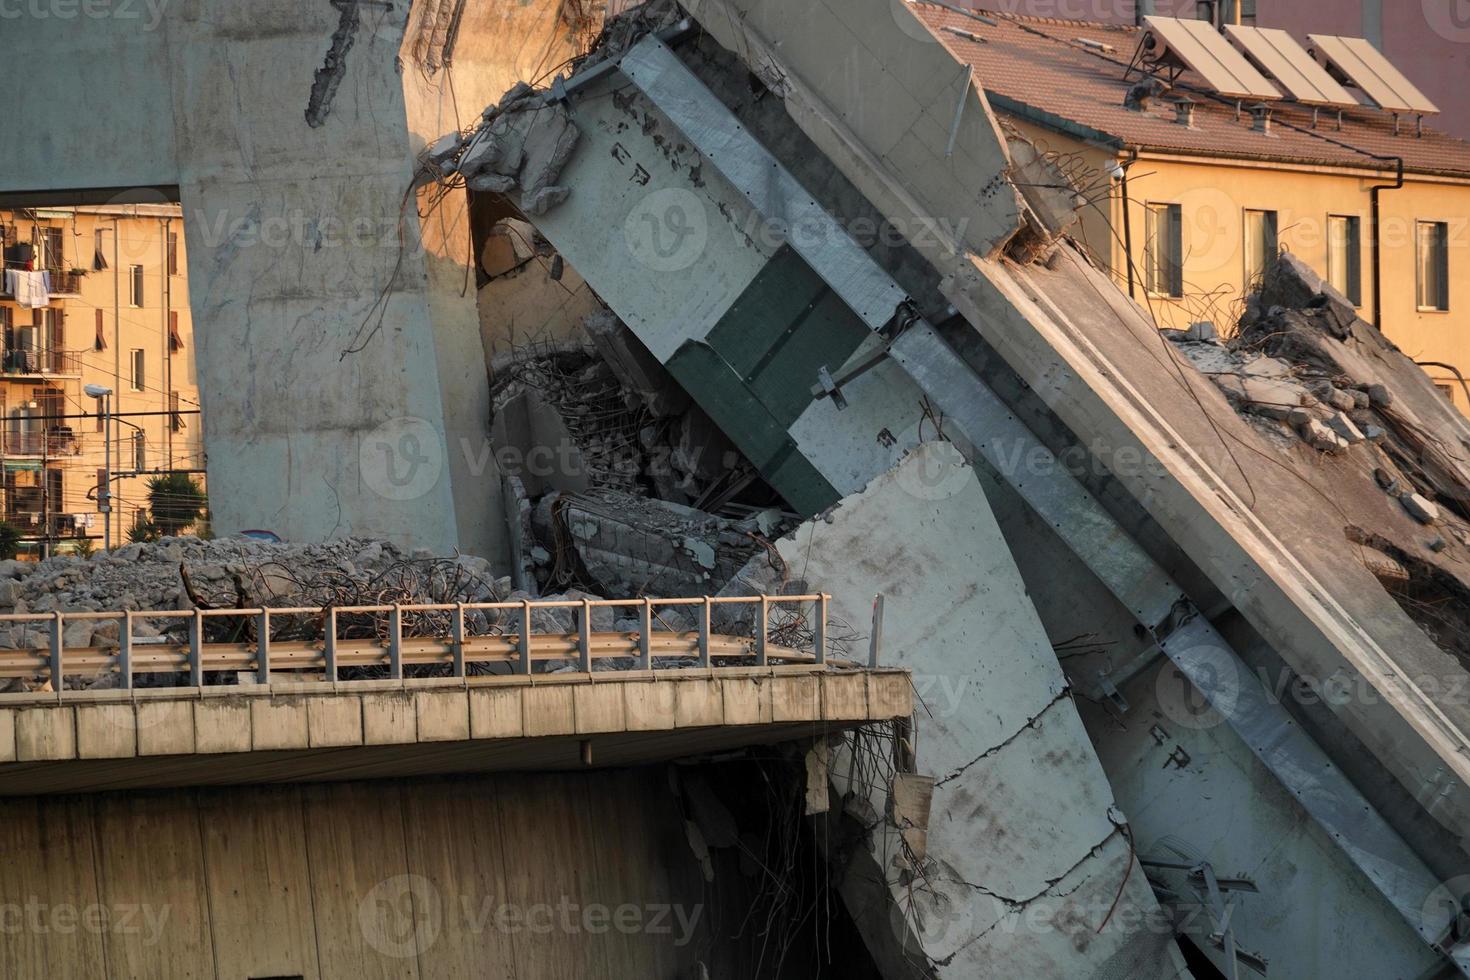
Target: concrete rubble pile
(1313, 377)
(608, 459)
(234, 573)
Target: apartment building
(1189, 195)
(93, 296)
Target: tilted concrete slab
(1027, 854)
(377, 729)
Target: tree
(176, 501)
(9, 541)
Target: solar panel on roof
(1277, 54)
(1365, 66)
(1198, 46)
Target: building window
(1345, 256)
(100, 342)
(173, 254)
(175, 420)
(1448, 391)
(99, 251)
(1434, 265)
(48, 249)
(1163, 249)
(139, 377)
(99, 406)
(175, 342)
(1261, 246)
(140, 453)
(135, 289)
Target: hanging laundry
(30, 289)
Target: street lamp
(104, 492)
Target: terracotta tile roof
(1035, 64)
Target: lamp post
(104, 492)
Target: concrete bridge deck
(291, 732)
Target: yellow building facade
(116, 316)
(1324, 215)
(1185, 193)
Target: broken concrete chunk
(491, 183)
(1344, 427)
(441, 153)
(1379, 396)
(1203, 332)
(1322, 438)
(1420, 508)
(539, 202)
(1299, 417)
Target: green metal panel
(784, 327)
(734, 407)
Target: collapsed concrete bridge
(1139, 652)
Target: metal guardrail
(457, 648)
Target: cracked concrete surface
(1028, 871)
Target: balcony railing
(60, 441)
(64, 282)
(41, 360)
(33, 524)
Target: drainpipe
(1377, 192)
(1128, 227)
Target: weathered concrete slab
(303, 732)
(1020, 801)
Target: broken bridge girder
(999, 437)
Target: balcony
(36, 362)
(34, 524)
(64, 282)
(60, 442)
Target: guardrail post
(329, 643)
(125, 652)
(524, 666)
(584, 637)
(459, 639)
(263, 648)
(196, 649)
(760, 635)
(395, 643)
(645, 635)
(57, 634)
(875, 639)
(819, 634)
(704, 633)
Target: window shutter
(175, 342)
(101, 342)
(58, 334)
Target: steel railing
(41, 360)
(398, 647)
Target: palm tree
(176, 501)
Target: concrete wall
(303, 257)
(474, 877)
(1026, 854)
